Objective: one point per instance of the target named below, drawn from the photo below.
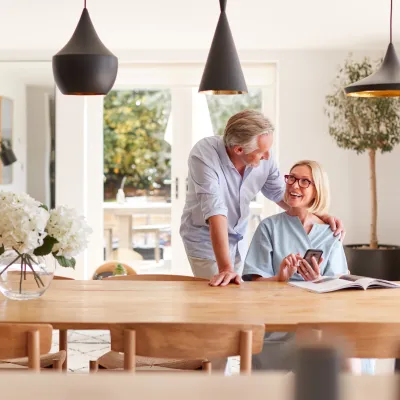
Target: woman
(279, 243)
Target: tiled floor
(84, 346)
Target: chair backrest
(25, 340)
(109, 267)
(360, 340)
(188, 341)
(154, 277)
(62, 278)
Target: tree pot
(381, 263)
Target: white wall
(79, 171)
(38, 142)
(13, 87)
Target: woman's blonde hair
(322, 199)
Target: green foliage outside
(134, 126)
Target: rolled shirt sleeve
(259, 256)
(274, 186)
(207, 188)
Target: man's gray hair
(244, 128)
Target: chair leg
(246, 346)
(130, 350)
(57, 365)
(34, 350)
(157, 247)
(93, 366)
(63, 345)
(207, 368)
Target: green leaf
(119, 270)
(2, 250)
(44, 206)
(46, 247)
(65, 262)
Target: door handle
(176, 188)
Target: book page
(325, 284)
(361, 280)
(369, 282)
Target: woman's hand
(288, 267)
(310, 272)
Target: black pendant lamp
(386, 81)
(223, 73)
(84, 66)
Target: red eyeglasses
(303, 182)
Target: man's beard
(252, 164)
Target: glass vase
(25, 276)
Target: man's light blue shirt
(215, 187)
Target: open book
(331, 283)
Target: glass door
(137, 178)
(151, 122)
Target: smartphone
(317, 254)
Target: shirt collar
(223, 154)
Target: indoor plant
(366, 125)
(33, 240)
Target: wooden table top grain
(99, 304)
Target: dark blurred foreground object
(317, 372)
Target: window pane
(222, 107)
(135, 123)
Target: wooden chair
(62, 278)
(360, 340)
(110, 266)
(25, 342)
(356, 340)
(115, 360)
(62, 333)
(155, 277)
(49, 360)
(186, 341)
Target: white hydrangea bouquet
(29, 228)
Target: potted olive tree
(366, 125)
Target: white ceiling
(46, 25)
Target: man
(225, 174)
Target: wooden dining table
(99, 304)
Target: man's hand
(224, 278)
(335, 224)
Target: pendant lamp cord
(84, 2)
(391, 14)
